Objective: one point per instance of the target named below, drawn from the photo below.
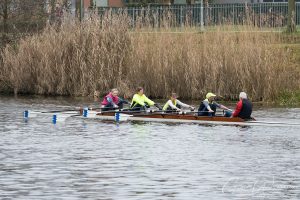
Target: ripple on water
(95, 160)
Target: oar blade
(30, 114)
(51, 117)
(60, 117)
(121, 117)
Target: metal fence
(258, 14)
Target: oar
(203, 111)
(158, 106)
(32, 113)
(62, 115)
(69, 110)
(59, 111)
(65, 113)
(151, 111)
(124, 116)
(128, 111)
(54, 117)
(176, 111)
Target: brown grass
(78, 58)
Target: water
(89, 159)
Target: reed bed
(78, 58)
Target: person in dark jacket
(209, 106)
(243, 107)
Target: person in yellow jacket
(141, 102)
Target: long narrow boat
(166, 117)
(183, 118)
(119, 116)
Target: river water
(90, 159)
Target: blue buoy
(54, 118)
(117, 117)
(26, 114)
(85, 112)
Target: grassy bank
(78, 58)
(291, 98)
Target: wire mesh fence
(22, 17)
(258, 14)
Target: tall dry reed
(99, 54)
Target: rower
(141, 102)
(208, 107)
(111, 101)
(243, 107)
(173, 104)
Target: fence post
(133, 17)
(73, 8)
(233, 14)
(157, 17)
(81, 10)
(201, 16)
(297, 13)
(260, 15)
(181, 13)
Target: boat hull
(171, 118)
(182, 118)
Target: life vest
(115, 99)
(246, 110)
(167, 107)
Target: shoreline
(195, 102)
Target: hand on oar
(192, 108)
(158, 106)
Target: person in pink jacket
(112, 101)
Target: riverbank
(75, 102)
(77, 59)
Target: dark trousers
(206, 113)
(110, 106)
(139, 107)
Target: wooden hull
(180, 118)
(191, 117)
(158, 117)
(172, 118)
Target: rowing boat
(164, 117)
(120, 116)
(181, 118)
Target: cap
(208, 95)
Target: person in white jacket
(173, 104)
